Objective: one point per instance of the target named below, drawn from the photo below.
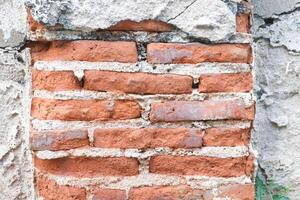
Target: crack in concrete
(182, 11)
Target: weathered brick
(243, 23)
(59, 140)
(241, 82)
(196, 53)
(237, 192)
(50, 190)
(148, 138)
(165, 192)
(226, 137)
(89, 166)
(204, 166)
(146, 25)
(84, 110)
(54, 80)
(85, 50)
(173, 111)
(109, 194)
(138, 83)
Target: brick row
(143, 138)
(49, 189)
(162, 164)
(140, 83)
(171, 111)
(119, 51)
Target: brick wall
(116, 118)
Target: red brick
(232, 192)
(59, 140)
(165, 192)
(84, 50)
(241, 82)
(89, 166)
(196, 53)
(173, 111)
(243, 23)
(54, 80)
(50, 190)
(148, 138)
(109, 194)
(204, 166)
(226, 137)
(84, 110)
(146, 25)
(138, 83)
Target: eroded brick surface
(197, 53)
(84, 110)
(89, 166)
(93, 51)
(195, 111)
(204, 166)
(139, 83)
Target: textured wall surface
(277, 67)
(277, 131)
(16, 180)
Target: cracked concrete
(208, 19)
(276, 29)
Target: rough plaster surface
(277, 69)
(12, 23)
(16, 180)
(268, 8)
(207, 19)
(15, 164)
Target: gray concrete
(15, 160)
(12, 23)
(208, 19)
(277, 69)
(16, 172)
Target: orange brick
(85, 50)
(243, 23)
(84, 110)
(138, 83)
(165, 192)
(204, 166)
(89, 166)
(54, 80)
(148, 138)
(241, 82)
(173, 111)
(226, 137)
(33, 25)
(146, 25)
(109, 194)
(59, 140)
(50, 190)
(197, 53)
